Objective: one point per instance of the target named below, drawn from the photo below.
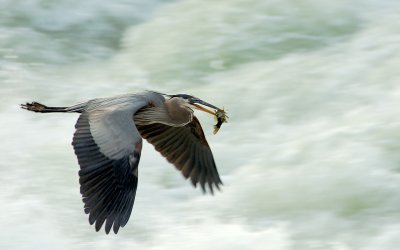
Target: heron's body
(108, 143)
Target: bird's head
(196, 103)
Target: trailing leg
(40, 108)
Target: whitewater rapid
(309, 158)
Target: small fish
(221, 117)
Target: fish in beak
(219, 114)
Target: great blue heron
(108, 144)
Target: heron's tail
(40, 108)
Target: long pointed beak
(201, 108)
(196, 100)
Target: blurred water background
(310, 158)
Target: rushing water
(310, 158)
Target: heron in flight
(108, 143)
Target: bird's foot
(34, 106)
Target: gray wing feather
(111, 122)
(105, 183)
(108, 146)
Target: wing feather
(186, 147)
(108, 185)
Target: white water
(310, 158)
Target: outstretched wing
(108, 148)
(187, 148)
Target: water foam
(309, 157)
